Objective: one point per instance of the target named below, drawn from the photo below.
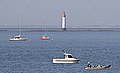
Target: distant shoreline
(60, 30)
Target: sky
(47, 13)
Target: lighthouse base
(63, 29)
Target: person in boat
(89, 65)
(98, 66)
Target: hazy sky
(42, 13)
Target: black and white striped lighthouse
(63, 21)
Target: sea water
(35, 55)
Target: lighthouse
(63, 21)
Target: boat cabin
(68, 56)
(16, 37)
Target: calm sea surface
(35, 56)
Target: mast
(20, 25)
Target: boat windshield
(69, 56)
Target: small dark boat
(98, 67)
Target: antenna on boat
(64, 51)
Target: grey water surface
(35, 55)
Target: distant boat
(18, 38)
(68, 59)
(98, 67)
(44, 37)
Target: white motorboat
(98, 67)
(18, 38)
(68, 58)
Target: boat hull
(68, 61)
(44, 38)
(98, 68)
(20, 39)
